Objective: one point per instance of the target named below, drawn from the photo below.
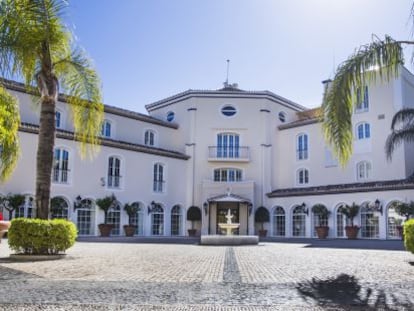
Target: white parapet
(229, 240)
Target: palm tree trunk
(46, 142)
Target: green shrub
(409, 235)
(41, 237)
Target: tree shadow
(344, 292)
(7, 274)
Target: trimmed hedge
(409, 235)
(41, 237)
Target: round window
(228, 111)
(282, 117)
(170, 116)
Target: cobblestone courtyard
(271, 276)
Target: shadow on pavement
(7, 274)
(344, 292)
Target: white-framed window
(363, 130)
(114, 172)
(302, 147)
(158, 174)
(138, 219)
(149, 138)
(86, 217)
(228, 110)
(176, 220)
(27, 209)
(363, 170)
(341, 222)
(170, 116)
(394, 222)
(330, 160)
(106, 129)
(59, 208)
(58, 119)
(227, 175)
(157, 220)
(369, 222)
(113, 217)
(228, 145)
(302, 176)
(279, 221)
(282, 116)
(298, 222)
(362, 100)
(60, 172)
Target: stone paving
(270, 276)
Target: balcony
(228, 154)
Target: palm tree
(36, 46)
(405, 132)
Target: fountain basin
(229, 240)
(229, 227)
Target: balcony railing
(114, 181)
(229, 154)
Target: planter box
(351, 232)
(129, 230)
(105, 229)
(262, 233)
(192, 232)
(322, 231)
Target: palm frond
(378, 60)
(396, 138)
(403, 117)
(81, 83)
(9, 140)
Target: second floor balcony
(228, 153)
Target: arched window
(106, 129)
(60, 172)
(176, 220)
(157, 220)
(318, 221)
(138, 219)
(149, 138)
(114, 172)
(86, 217)
(26, 210)
(279, 221)
(227, 175)
(363, 130)
(59, 208)
(58, 119)
(341, 222)
(369, 221)
(394, 222)
(170, 116)
(113, 217)
(302, 147)
(362, 103)
(228, 145)
(158, 184)
(299, 222)
(302, 176)
(363, 170)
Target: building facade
(220, 150)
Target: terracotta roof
(34, 129)
(20, 87)
(385, 185)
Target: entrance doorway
(222, 210)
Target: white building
(224, 149)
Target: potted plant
(131, 210)
(105, 204)
(322, 214)
(406, 210)
(261, 216)
(193, 214)
(350, 211)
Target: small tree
(404, 209)
(350, 212)
(321, 212)
(105, 204)
(11, 202)
(193, 214)
(131, 210)
(261, 216)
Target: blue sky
(146, 50)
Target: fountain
(229, 238)
(229, 226)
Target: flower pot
(129, 230)
(351, 232)
(105, 229)
(192, 232)
(262, 233)
(322, 231)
